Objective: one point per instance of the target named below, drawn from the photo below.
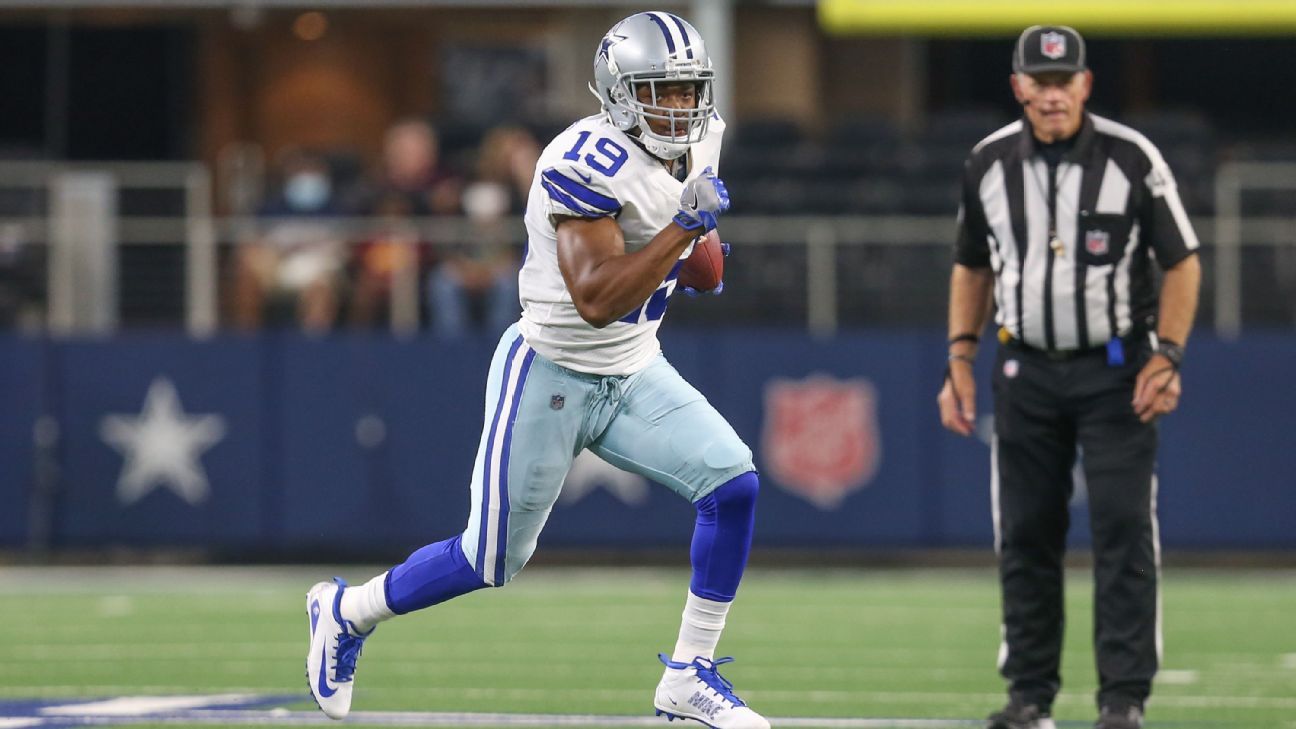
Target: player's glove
(704, 198)
(719, 289)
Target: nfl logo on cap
(1053, 45)
(1044, 48)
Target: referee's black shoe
(1120, 717)
(1017, 715)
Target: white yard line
(819, 696)
(139, 706)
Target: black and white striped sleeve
(972, 247)
(1168, 229)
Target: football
(704, 268)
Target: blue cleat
(697, 691)
(334, 647)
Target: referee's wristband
(964, 337)
(1171, 350)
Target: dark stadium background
(857, 140)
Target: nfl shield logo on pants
(1096, 242)
(1053, 45)
(820, 439)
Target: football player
(618, 200)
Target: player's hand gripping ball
(703, 270)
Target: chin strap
(648, 147)
(641, 144)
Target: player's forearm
(609, 288)
(969, 306)
(1179, 290)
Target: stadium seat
(1172, 127)
(765, 134)
(862, 131)
(962, 128)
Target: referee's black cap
(1044, 48)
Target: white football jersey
(592, 169)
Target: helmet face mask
(654, 49)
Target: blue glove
(689, 290)
(719, 289)
(704, 198)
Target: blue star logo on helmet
(609, 40)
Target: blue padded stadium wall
(286, 444)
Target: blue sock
(433, 574)
(722, 537)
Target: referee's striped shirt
(1113, 205)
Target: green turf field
(917, 644)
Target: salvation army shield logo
(1096, 242)
(1053, 45)
(820, 439)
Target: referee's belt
(1006, 338)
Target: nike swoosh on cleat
(324, 689)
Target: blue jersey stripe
(655, 307)
(582, 193)
(670, 42)
(482, 546)
(502, 549)
(688, 42)
(561, 197)
(569, 202)
(657, 304)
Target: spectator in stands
(411, 183)
(386, 267)
(295, 251)
(22, 262)
(484, 272)
(22, 268)
(411, 167)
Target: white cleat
(697, 691)
(334, 647)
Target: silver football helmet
(652, 48)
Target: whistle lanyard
(1049, 191)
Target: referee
(1064, 215)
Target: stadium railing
(159, 217)
(1233, 230)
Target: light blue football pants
(540, 415)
